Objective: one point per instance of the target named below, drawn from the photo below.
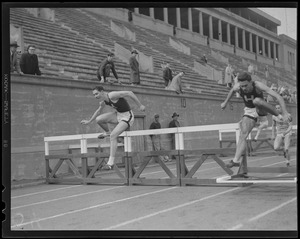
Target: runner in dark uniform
(122, 117)
(255, 106)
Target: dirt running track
(259, 207)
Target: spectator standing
(294, 97)
(167, 74)
(14, 62)
(274, 88)
(156, 139)
(104, 69)
(228, 76)
(204, 59)
(29, 62)
(134, 69)
(250, 69)
(176, 84)
(267, 71)
(174, 123)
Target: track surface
(113, 207)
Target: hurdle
(135, 174)
(250, 149)
(260, 180)
(187, 175)
(183, 175)
(86, 174)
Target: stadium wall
(50, 106)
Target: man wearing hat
(174, 123)
(255, 106)
(134, 69)
(156, 140)
(14, 62)
(105, 67)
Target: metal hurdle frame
(86, 175)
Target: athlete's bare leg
(246, 125)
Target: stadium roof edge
(266, 15)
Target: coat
(29, 64)
(134, 70)
(167, 75)
(175, 84)
(228, 74)
(14, 63)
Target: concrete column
(178, 18)
(220, 30)
(263, 47)
(244, 39)
(200, 23)
(274, 49)
(269, 49)
(228, 33)
(152, 12)
(136, 10)
(190, 19)
(236, 37)
(210, 25)
(250, 42)
(166, 15)
(257, 45)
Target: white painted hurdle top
(178, 131)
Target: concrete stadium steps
(127, 44)
(161, 48)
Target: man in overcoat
(134, 69)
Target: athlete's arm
(273, 127)
(97, 112)
(288, 129)
(268, 90)
(230, 94)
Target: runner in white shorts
(252, 94)
(122, 117)
(283, 134)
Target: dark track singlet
(121, 105)
(250, 96)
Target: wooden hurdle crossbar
(85, 175)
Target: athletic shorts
(127, 117)
(262, 121)
(251, 113)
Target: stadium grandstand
(71, 43)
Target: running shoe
(232, 164)
(107, 167)
(103, 135)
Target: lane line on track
(240, 225)
(52, 190)
(82, 194)
(92, 207)
(63, 198)
(169, 209)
